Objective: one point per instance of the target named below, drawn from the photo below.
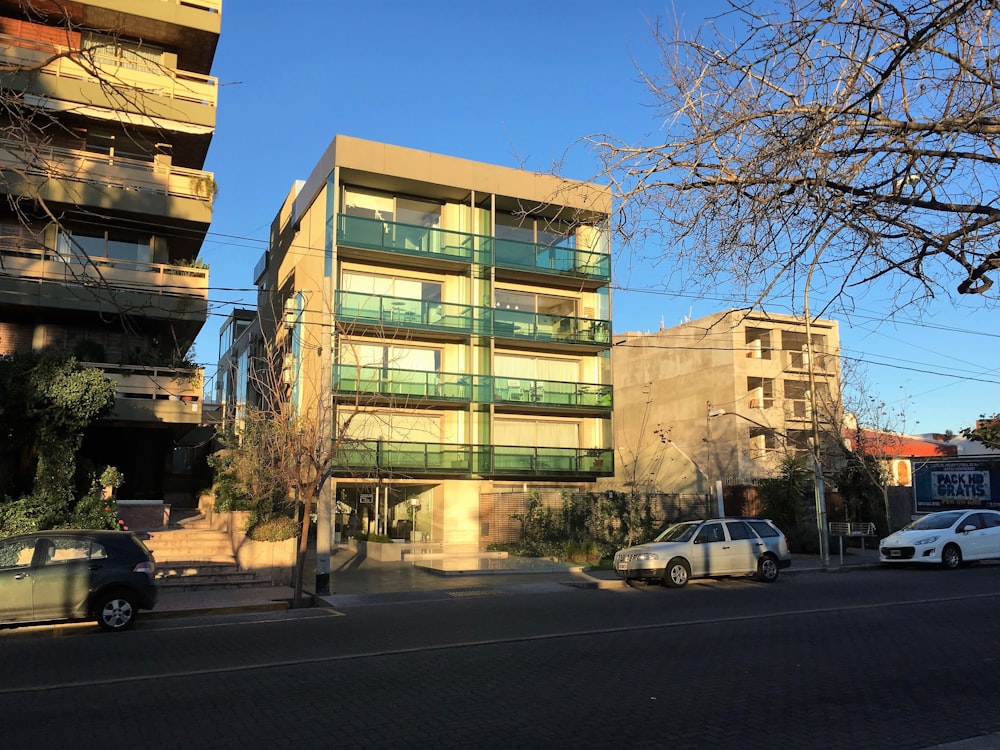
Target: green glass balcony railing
(400, 312)
(373, 457)
(554, 259)
(516, 324)
(412, 239)
(432, 242)
(550, 393)
(461, 387)
(418, 384)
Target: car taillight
(144, 567)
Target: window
(365, 283)
(738, 530)
(543, 304)
(711, 532)
(760, 393)
(17, 553)
(758, 343)
(407, 428)
(761, 442)
(536, 433)
(797, 398)
(763, 529)
(114, 244)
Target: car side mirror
(967, 528)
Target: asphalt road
(869, 659)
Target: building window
(117, 244)
(762, 441)
(797, 399)
(760, 393)
(758, 341)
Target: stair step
(195, 567)
(235, 576)
(191, 584)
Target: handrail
(58, 60)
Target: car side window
(710, 533)
(992, 520)
(738, 530)
(973, 519)
(17, 553)
(763, 529)
(65, 550)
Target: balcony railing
(417, 384)
(401, 312)
(550, 393)
(566, 329)
(107, 172)
(385, 457)
(431, 242)
(153, 278)
(552, 259)
(153, 383)
(155, 80)
(410, 239)
(464, 388)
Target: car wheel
(115, 611)
(951, 557)
(677, 573)
(767, 569)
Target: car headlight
(927, 540)
(646, 556)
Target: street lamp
(817, 482)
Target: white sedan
(947, 538)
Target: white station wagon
(703, 549)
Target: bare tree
(834, 142)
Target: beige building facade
(106, 209)
(448, 322)
(722, 398)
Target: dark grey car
(70, 574)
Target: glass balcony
(431, 242)
(386, 457)
(401, 312)
(515, 324)
(420, 384)
(410, 239)
(550, 393)
(553, 259)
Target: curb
(228, 609)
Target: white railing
(105, 171)
(157, 80)
(164, 383)
(153, 278)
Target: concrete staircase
(190, 556)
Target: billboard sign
(946, 483)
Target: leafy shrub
(96, 512)
(273, 529)
(374, 538)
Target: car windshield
(935, 521)
(679, 532)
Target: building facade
(452, 318)
(111, 110)
(722, 398)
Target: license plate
(895, 553)
(622, 566)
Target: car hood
(912, 535)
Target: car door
(16, 579)
(709, 551)
(62, 579)
(991, 537)
(744, 547)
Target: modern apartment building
(455, 317)
(107, 207)
(729, 394)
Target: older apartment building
(107, 207)
(455, 316)
(722, 398)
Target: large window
(390, 286)
(385, 207)
(111, 243)
(534, 302)
(536, 368)
(392, 357)
(408, 428)
(536, 230)
(536, 433)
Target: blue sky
(515, 84)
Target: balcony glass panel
(392, 381)
(544, 327)
(550, 393)
(555, 259)
(409, 239)
(399, 312)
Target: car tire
(767, 569)
(115, 611)
(951, 557)
(677, 573)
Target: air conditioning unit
(291, 313)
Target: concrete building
(453, 318)
(107, 206)
(721, 398)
